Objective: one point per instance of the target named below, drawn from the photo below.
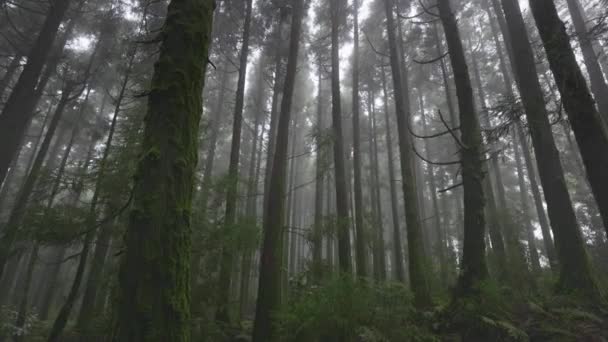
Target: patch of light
(81, 43)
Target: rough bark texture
(473, 267)
(591, 136)
(575, 271)
(415, 240)
(13, 122)
(158, 235)
(269, 288)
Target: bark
(319, 179)
(269, 288)
(575, 271)
(591, 136)
(594, 70)
(274, 110)
(415, 240)
(397, 251)
(360, 248)
(221, 314)
(379, 253)
(13, 119)
(517, 133)
(344, 254)
(10, 72)
(158, 236)
(473, 268)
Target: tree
(417, 260)
(591, 135)
(473, 267)
(221, 314)
(344, 254)
(13, 124)
(360, 250)
(158, 236)
(575, 271)
(271, 256)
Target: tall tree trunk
(13, 122)
(594, 70)
(87, 308)
(473, 267)
(269, 288)
(440, 243)
(360, 250)
(575, 271)
(19, 210)
(319, 179)
(278, 84)
(58, 259)
(344, 254)
(415, 241)
(517, 133)
(158, 235)
(591, 136)
(221, 314)
(397, 251)
(379, 250)
(10, 72)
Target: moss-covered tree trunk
(415, 241)
(575, 271)
(226, 263)
(587, 125)
(154, 292)
(14, 119)
(269, 287)
(473, 268)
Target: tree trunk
(317, 243)
(518, 137)
(594, 70)
(221, 314)
(13, 122)
(8, 75)
(344, 254)
(158, 236)
(379, 253)
(591, 136)
(575, 271)
(269, 288)
(473, 267)
(360, 250)
(440, 243)
(415, 241)
(19, 210)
